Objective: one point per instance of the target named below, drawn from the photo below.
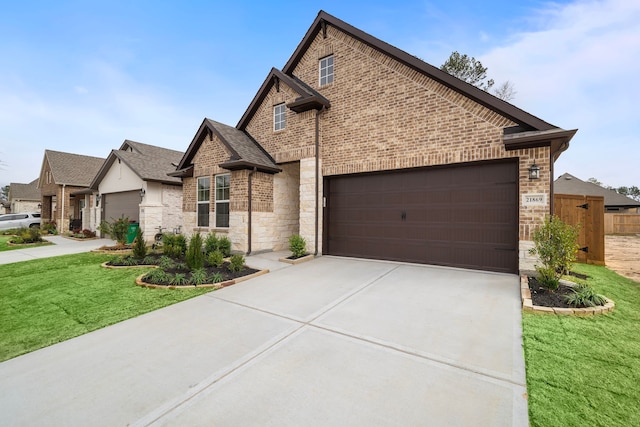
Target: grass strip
(586, 370)
(50, 300)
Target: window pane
(222, 187)
(326, 70)
(203, 214)
(222, 214)
(203, 189)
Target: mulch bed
(544, 297)
(154, 258)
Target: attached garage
(116, 205)
(460, 216)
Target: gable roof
(148, 162)
(569, 184)
(18, 191)
(528, 124)
(308, 97)
(71, 169)
(246, 153)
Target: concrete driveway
(331, 342)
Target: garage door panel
(117, 205)
(462, 216)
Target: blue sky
(82, 76)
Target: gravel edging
(527, 303)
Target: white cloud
(579, 70)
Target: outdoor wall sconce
(39, 205)
(98, 197)
(142, 192)
(534, 171)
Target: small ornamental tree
(139, 245)
(556, 245)
(194, 256)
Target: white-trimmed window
(203, 201)
(279, 117)
(326, 70)
(223, 183)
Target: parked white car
(28, 219)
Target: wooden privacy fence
(588, 212)
(621, 223)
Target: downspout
(317, 177)
(249, 183)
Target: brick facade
(384, 115)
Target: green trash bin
(132, 230)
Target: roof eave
(558, 139)
(308, 103)
(182, 173)
(243, 164)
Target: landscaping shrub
(157, 275)
(129, 261)
(584, 296)
(148, 260)
(179, 279)
(139, 245)
(88, 234)
(198, 277)
(194, 255)
(165, 262)
(117, 229)
(297, 246)
(216, 258)
(224, 246)
(27, 235)
(210, 243)
(236, 263)
(216, 278)
(50, 227)
(556, 245)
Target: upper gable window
(279, 117)
(326, 70)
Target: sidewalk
(61, 246)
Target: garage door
(116, 205)
(462, 216)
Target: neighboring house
(5, 207)
(64, 182)
(24, 197)
(367, 151)
(613, 202)
(133, 182)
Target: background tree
(4, 193)
(506, 91)
(473, 72)
(633, 192)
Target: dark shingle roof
(149, 162)
(29, 191)
(72, 169)
(246, 153)
(245, 150)
(569, 184)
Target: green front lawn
(4, 244)
(45, 301)
(585, 371)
